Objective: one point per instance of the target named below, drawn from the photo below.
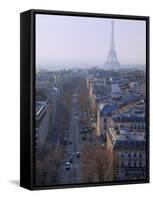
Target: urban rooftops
(40, 109)
(122, 138)
(107, 109)
(128, 118)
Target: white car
(69, 151)
(67, 165)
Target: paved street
(72, 175)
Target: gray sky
(80, 41)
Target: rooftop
(40, 105)
(124, 138)
(106, 108)
(125, 117)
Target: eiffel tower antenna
(112, 61)
(112, 39)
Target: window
(135, 164)
(140, 163)
(105, 120)
(129, 164)
(122, 164)
(141, 126)
(122, 155)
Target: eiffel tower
(112, 61)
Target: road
(72, 175)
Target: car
(67, 165)
(70, 158)
(91, 118)
(65, 141)
(86, 130)
(83, 137)
(81, 130)
(90, 138)
(66, 130)
(64, 150)
(66, 136)
(66, 133)
(77, 154)
(89, 129)
(69, 151)
(70, 141)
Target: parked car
(83, 137)
(70, 141)
(81, 130)
(65, 141)
(77, 154)
(86, 130)
(90, 129)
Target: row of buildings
(118, 100)
(50, 86)
(47, 91)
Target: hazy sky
(83, 41)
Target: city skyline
(85, 42)
(90, 126)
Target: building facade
(128, 154)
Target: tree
(104, 164)
(96, 162)
(48, 165)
